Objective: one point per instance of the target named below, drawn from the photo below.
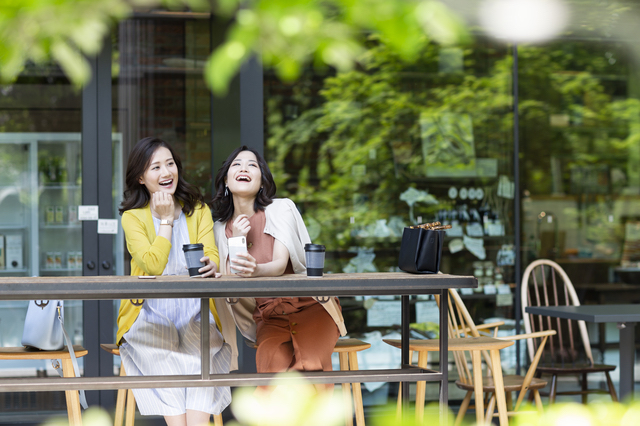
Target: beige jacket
(284, 223)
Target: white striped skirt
(165, 340)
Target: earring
(226, 191)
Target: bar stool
(347, 350)
(73, 400)
(127, 395)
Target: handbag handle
(74, 360)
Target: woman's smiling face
(162, 173)
(244, 177)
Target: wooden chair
(466, 342)
(474, 345)
(545, 283)
(73, 400)
(347, 349)
(126, 396)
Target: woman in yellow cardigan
(160, 213)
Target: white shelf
(61, 270)
(59, 186)
(13, 271)
(62, 226)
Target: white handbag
(44, 330)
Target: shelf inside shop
(59, 186)
(61, 226)
(13, 271)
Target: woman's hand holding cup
(210, 269)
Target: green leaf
(220, 69)
(72, 62)
(440, 23)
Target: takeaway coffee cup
(314, 254)
(193, 253)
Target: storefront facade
(528, 151)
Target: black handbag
(421, 250)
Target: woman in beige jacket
(292, 333)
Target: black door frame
(97, 170)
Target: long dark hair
(222, 205)
(136, 195)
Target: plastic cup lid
(192, 247)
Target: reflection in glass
(159, 90)
(40, 189)
(358, 141)
(366, 153)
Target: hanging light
(523, 21)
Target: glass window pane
(158, 91)
(40, 190)
(392, 145)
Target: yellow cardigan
(149, 253)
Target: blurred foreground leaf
(286, 35)
(39, 31)
(291, 403)
(289, 34)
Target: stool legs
(477, 385)
(552, 391)
(612, 389)
(127, 395)
(536, 395)
(120, 401)
(72, 397)
(357, 390)
(421, 387)
(349, 361)
(491, 405)
(346, 390)
(499, 384)
(463, 408)
(131, 409)
(399, 405)
(477, 371)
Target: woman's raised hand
(241, 226)
(162, 204)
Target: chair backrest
(460, 324)
(545, 283)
